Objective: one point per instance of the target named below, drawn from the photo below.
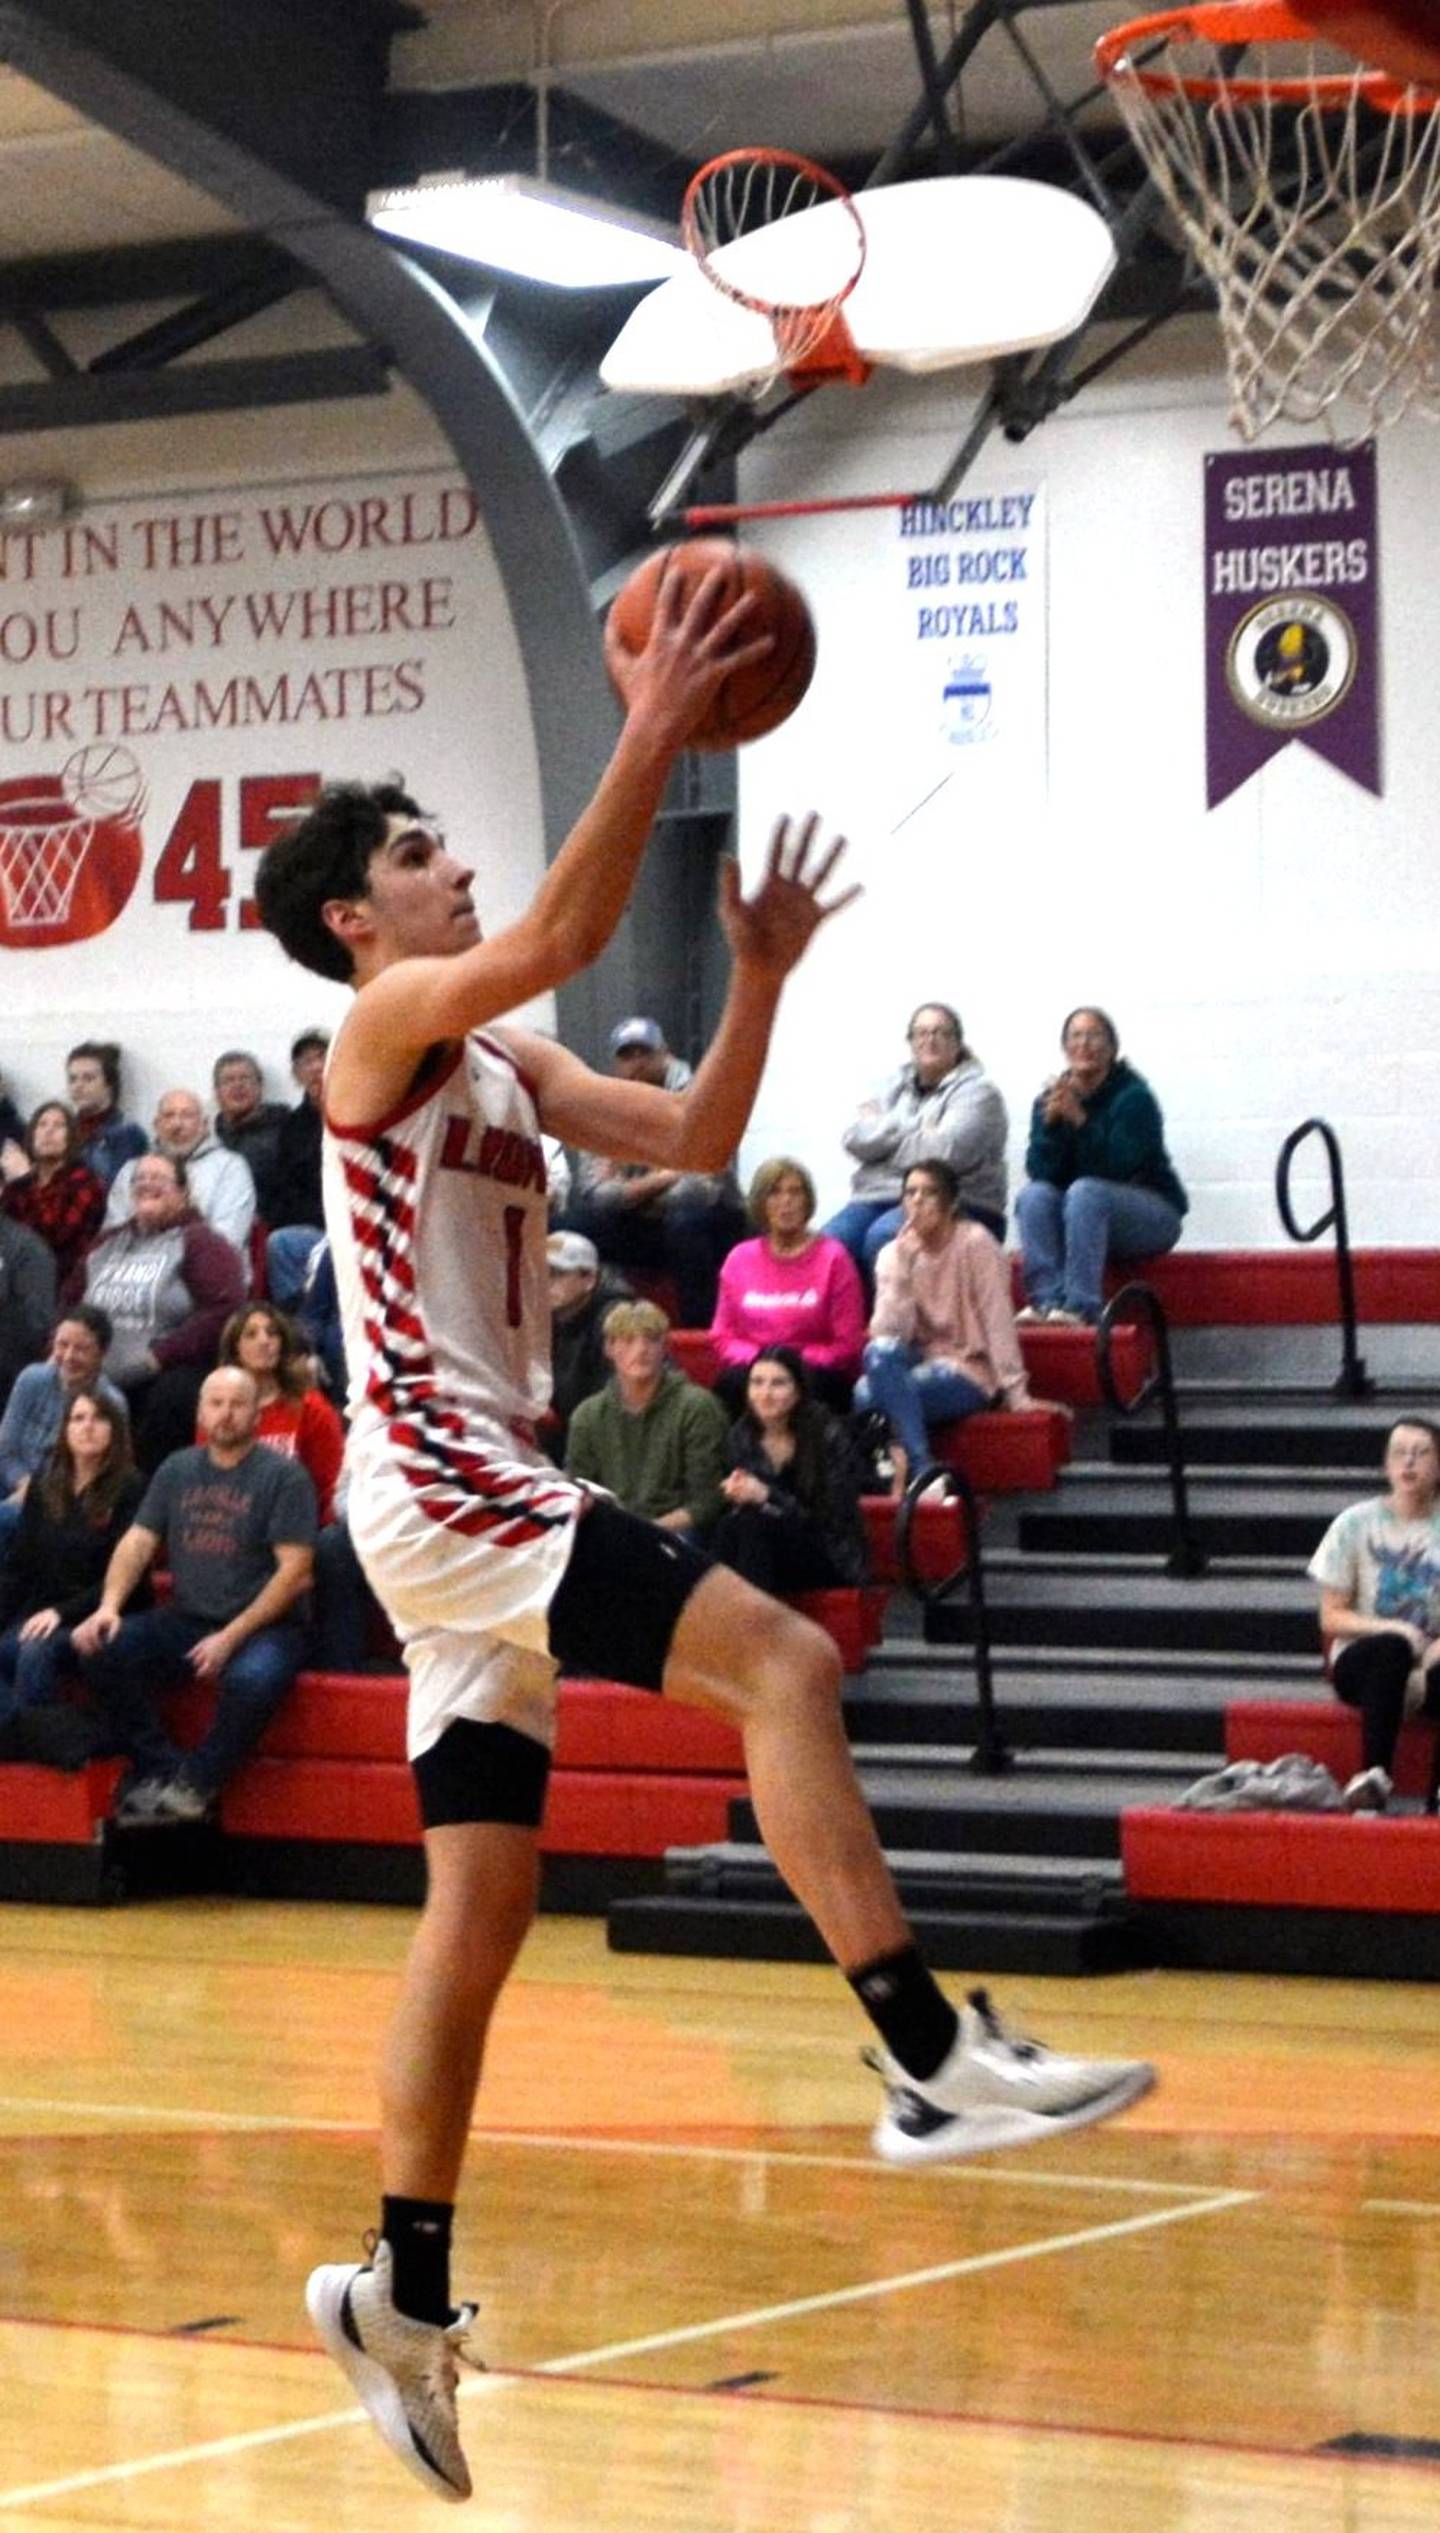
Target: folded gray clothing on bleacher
(1291, 1783)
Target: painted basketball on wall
(71, 849)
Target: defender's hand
(774, 928)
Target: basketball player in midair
(493, 1567)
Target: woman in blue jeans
(72, 1515)
(1102, 1184)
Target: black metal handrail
(1187, 1557)
(992, 1754)
(1354, 1381)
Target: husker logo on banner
(1292, 610)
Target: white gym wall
(455, 721)
(1276, 958)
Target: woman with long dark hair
(72, 1516)
(793, 1519)
(295, 1417)
(51, 1188)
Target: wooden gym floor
(708, 2309)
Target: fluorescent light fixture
(523, 224)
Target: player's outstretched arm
(694, 646)
(698, 1128)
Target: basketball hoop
(40, 857)
(1308, 188)
(798, 282)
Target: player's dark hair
(105, 1053)
(327, 854)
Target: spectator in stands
(793, 1286)
(1378, 1568)
(793, 1492)
(237, 1525)
(107, 1137)
(35, 1410)
(294, 1418)
(48, 1186)
(581, 1293)
(942, 1334)
(72, 1517)
(1101, 1183)
(12, 1125)
(317, 1315)
(299, 1217)
(678, 1223)
(654, 1439)
(27, 1301)
(299, 1421)
(941, 1105)
(248, 1123)
(221, 1188)
(168, 1284)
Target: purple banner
(1292, 611)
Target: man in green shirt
(654, 1439)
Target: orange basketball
(753, 700)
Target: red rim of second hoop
(1250, 22)
(762, 157)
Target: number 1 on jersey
(514, 1254)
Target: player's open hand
(696, 642)
(773, 928)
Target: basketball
(755, 699)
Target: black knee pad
(482, 1772)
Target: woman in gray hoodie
(940, 1106)
(168, 1284)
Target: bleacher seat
(1062, 1363)
(1265, 1728)
(1283, 1860)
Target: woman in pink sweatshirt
(942, 1333)
(790, 1287)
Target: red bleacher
(1266, 1728)
(1283, 1860)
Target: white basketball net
(1318, 223)
(797, 279)
(38, 870)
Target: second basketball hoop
(801, 294)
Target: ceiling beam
(161, 395)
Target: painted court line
(253, 2123)
(756, 2318)
(1400, 2207)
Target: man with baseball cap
(581, 1292)
(678, 1223)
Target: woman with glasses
(940, 1106)
(1101, 1183)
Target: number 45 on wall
(191, 868)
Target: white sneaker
(996, 2089)
(404, 2371)
(1032, 1316)
(1370, 1791)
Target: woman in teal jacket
(1102, 1184)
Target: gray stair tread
(1119, 1565)
(901, 1660)
(1144, 1693)
(1208, 1492)
(1310, 1478)
(944, 1865)
(1059, 1758)
(1029, 1579)
(1101, 1790)
(1282, 1415)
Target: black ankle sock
(915, 2021)
(418, 2233)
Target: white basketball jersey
(437, 1217)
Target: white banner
(178, 675)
